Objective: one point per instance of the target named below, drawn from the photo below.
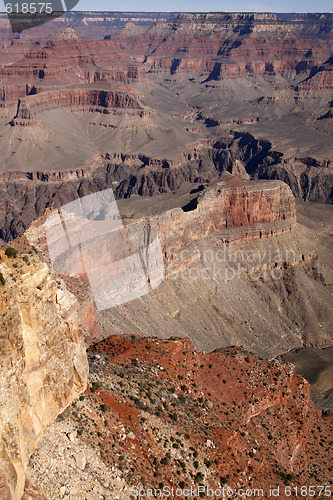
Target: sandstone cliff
(25, 196)
(92, 98)
(162, 92)
(43, 362)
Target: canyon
(252, 223)
(152, 104)
(228, 243)
(214, 131)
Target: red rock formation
(219, 45)
(228, 45)
(58, 60)
(238, 210)
(226, 418)
(72, 98)
(43, 361)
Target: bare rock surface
(43, 361)
(239, 269)
(56, 467)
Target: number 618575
(29, 8)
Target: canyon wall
(43, 361)
(66, 98)
(229, 243)
(25, 196)
(282, 67)
(217, 45)
(233, 209)
(230, 45)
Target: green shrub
(198, 478)
(11, 252)
(2, 279)
(104, 407)
(174, 417)
(95, 386)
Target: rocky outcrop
(308, 178)
(211, 46)
(226, 53)
(43, 361)
(94, 99)
(48, 64)
(227, 242)
(236, 210)
(219, 45)
(230, 45)
(93, 25)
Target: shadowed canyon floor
(317, 367)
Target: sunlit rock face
(237, 210)
(42, 359)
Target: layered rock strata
(94, 99)
(173, 415)
(234, 209)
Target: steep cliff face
(309, 179)
(233, 209)
(43, 362)
(25, 196)
(175, 86)
(72, 98)
(89, 25)
(218, 45)
(52, 62)
(230, 45)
